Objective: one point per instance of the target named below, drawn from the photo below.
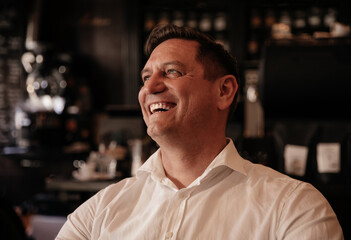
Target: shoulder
(301, 209)
(258, 173)
(272, 185)
(115, 190)
(80, 223)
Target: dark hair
(216, 60)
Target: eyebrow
(178, 63)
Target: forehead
(175, 49)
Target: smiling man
(184, 109)
(196, 186)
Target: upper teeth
(155, 107)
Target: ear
(228, 86)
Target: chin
(153, 131)
(156, 131)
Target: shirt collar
(228, 157)
(153, 166)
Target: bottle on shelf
(149, 22)
(253, 47)
(285, 18)
(192, 21)
(330, 17)
(164, 18)
(178, 19)
(220, 22)
(314, 18)
(255, 19)
(205, 23)
(270, 18)
(299, 19)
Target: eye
(172, 73)
(145, 78)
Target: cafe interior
(70, 122)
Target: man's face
(176, 100)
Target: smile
(161, 107)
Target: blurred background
(70, 122)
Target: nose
(155, 84)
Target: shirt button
(169, 235)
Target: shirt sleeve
(306, 214)
(79, 224)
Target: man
(196, 186)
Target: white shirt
(232, 199)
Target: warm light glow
(47, 102)
(59, 104)
(62, 69)
(63, 84)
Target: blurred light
(30, 79)
(36, 85)
(39, 58)
(62, 69)
(73, 110)
(63, 84)
(30, 89)
(26, 122)
(251, 94)
(19, 116)
(78, 163)
(44, 84)
(27, 59)
(59, 104)
(47, 102)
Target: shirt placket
(175, 214)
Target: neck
(187, 160)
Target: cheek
(204, 102)
(196, 103)
(140, 95)
(141, 99)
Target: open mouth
(161, 107)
